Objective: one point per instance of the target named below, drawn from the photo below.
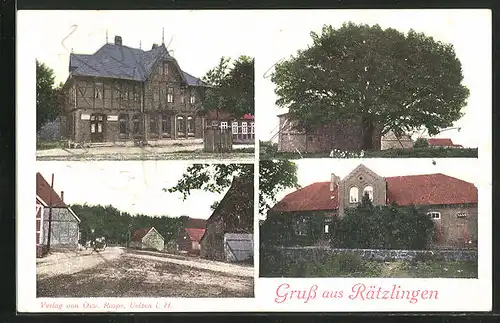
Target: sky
(320, 170)
(468, 30)
(131, 186)
(198, 39)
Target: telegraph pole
(49, 234)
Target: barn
(52, 211)
(147, 239)
(230, 226)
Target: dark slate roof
(123, 62)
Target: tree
(274, 177)
(421, 143)
(47, 97)
(232, 87)
(383, 78)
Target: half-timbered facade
(121, 94)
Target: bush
(383, 227)
(421, 143)
(268, 147)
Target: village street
(118, 272)
(170, 152)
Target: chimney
(62, 196)
(334, 181)
(118, 40)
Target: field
(118, 272)
(346, 266)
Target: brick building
(120, 94)
(450, 202)
(242, 129)
(343, 135)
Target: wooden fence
(218, 140)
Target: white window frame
(170, 96)
(327, 227)
(244, 128)
(215, 123)
(461, 215)
(353, 195)
(434, 215)
(192, 99)
(252, 128)
(98, 90)
(370, 192)
(234, 127)
(223, 125)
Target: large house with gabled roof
(123, 94)
(450, 202)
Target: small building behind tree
(147, 239)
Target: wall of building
(320, 254)
(391, 141)
(64, 228)
(343, 135)
(153, 240)
(212, 243)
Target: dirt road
(118, 273)
(145, 153)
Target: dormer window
(434, 215)
(368, 190)
(353, 195)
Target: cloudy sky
(320, 170)
(131, 186)
(468, 30)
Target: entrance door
(96, 128)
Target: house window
(368, 190)
(165, 124)
(123, 93)
(190, 126)
(123, 120)
(182, 96)
(327, 227)
(170, 95)
(180, 125)
(98, 90)
(165, 68)
(215, 123)
(160, 69)
(252, 128)
(434, 215)
(234, 127)
(461, 214)
(153, 124)
(301, 227)
(192, 99)
(131, 94)
(223, 125)
(156, 94)
(136, 96)
(244, 129)
(136, 122)
(353, 195)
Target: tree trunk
(367, 132)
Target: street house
(450, 202)
(120, 94)
(64, 222)
(442, 142)
(233, 215)
(148, 239)
(242, 129)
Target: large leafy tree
(232, 87)
(48, 97)
(386, 78)
(274, 177)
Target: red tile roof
(429, 190)
(314, 197)
(442, 142)
(195, 234)
(434, 189)
(139, 234)
(46, 193)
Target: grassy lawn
(346, 266)
(268, 151)
(44, 145)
